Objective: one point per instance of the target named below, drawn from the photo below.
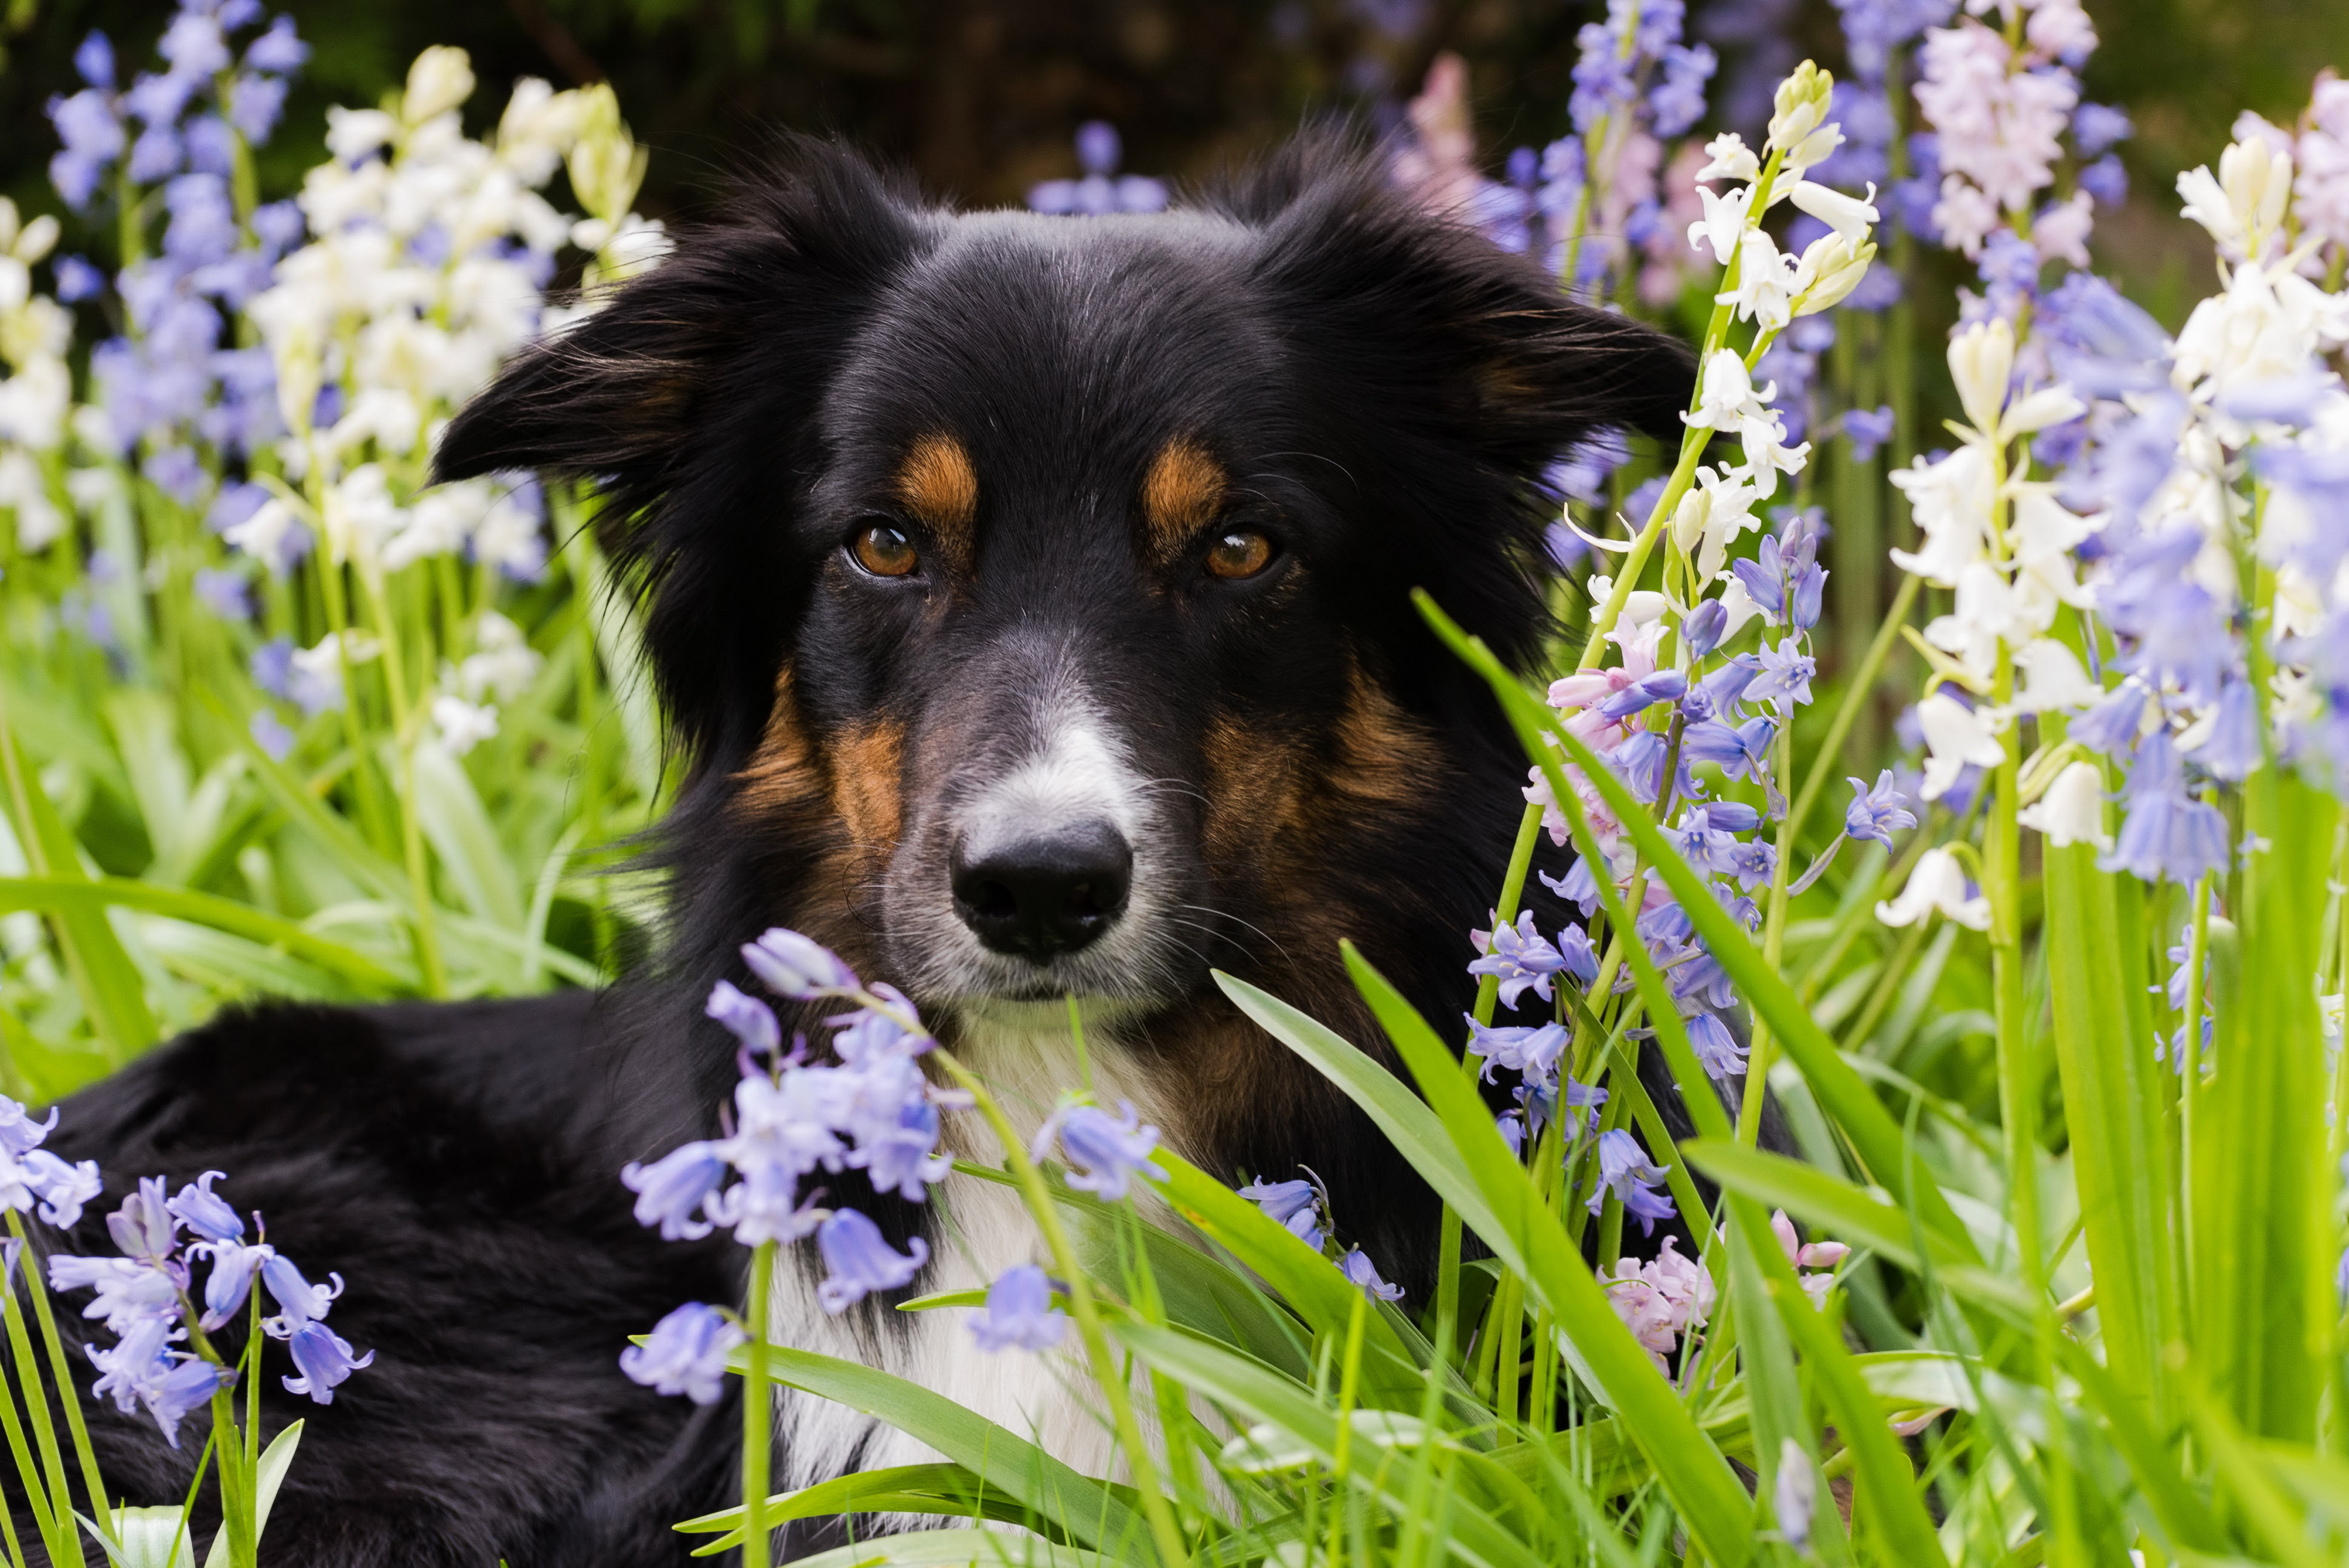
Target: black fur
(1383, 388)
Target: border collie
(1029, 599)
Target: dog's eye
(884, 551)
(1241, 554)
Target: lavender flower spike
(1019, 1312)
(686, 1354)
(798, 967)
(862, 1260)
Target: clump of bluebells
(1301, 1206)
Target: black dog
(1029, 599)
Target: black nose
(1049, 893)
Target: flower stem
(757, 1416)
(1082, 1307)
(62, 1371)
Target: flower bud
(441, 80)
(1831, 268)
(1799, 116)
(1703, 628)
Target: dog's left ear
(1466, 343)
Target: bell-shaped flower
(798, 967)
(1625, 1170)
(2052, 680)
(1849, 217)
(19, 1133)
(1955, 736)
(1729, 159)
(1723, 222)
(2244, 202)
(128, 1290)
(745, 1017)
(861, 1261)
(686, 1354)
(234, 1265)
(2072, 809)
(204, 1213)
(1722, 1053)
(1105, 1153)
(1019, 1312)
(673, 1187)
(1363, 1274)
(1520, 959)
(1877, 812)
(322, 1359)
(1981, 363)
(1534, 1050)
(1938, 882)
(144, 1227)
(61, 1187)
(298, 1301)
(2167, 832)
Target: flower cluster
(1302, 1206)
(143, 1297)
(1101, 189)
(37, 390)
(31, 1175)
(1661, 1299)
(2000, 103)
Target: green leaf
(2113, 1094)
(275, 1460)
(1841, 1093)
(1458, 1149)
(111, 986)
(950, 1548)
(82, 894)
(449, 811)
(1085, 1509)
(900, 1489)
(2262, 1229)
(1856, 1215)
(145, 1538)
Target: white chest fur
(981, 1230)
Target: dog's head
(1030, 595)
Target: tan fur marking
(867, 783)
(782, 773)
(939, 486)
(1181, 494)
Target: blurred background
(981, 98)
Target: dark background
(981, 96)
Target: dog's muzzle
(1040, 893)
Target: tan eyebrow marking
(938, 484)
(1181, 493)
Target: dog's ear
(688, 397)
(1448, 374)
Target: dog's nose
(1045, 893)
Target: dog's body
(1029, 598)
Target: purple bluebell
(1625, 1170)
(2111, 724)
(1581, 474)
(1664, 686)
(2106, 181)
(2232, 749)
(1106, 1153)
(673, 1187)
(128, 1290)
(1785, 679)
(279, 226)
(270, 733)
(158, 151)
(789, 964)
(278, 50)
(1764, 578)
(746, 1018)
(93, 61)
(861, 1260)
(1298, 1205)
(1581, 960)
(1534, 1050)
(144, 1228)
(1363, 1275)
(1803, 603)
(205, 1213)
(900, 1156)
(1678, 101)
(1703, 628)
(254, 102)
(235, 1267)
(1520, 960)
(1019, 1312)
(2096, 127)
(1722, 1053)
(324, 1360)
(298, 1301)
(2167, 832)
(1511, 1125)
(19, 1133)
(77, 280)
(686, 1354)
(93, 137)
(1877, 812)
(1101, 191)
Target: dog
(1028, 597)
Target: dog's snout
(1044, 893)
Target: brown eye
(884, 551)
(1239, 554)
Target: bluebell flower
(93, 61)
(1625, 1170)
(1106, 1153)
(1511, 1125)
(745, 1017)
(254, 102)
(1721, 1053)
(158, 151)
(900, 1156)
(128, 1290)
(141, 1369)
(2232, 749)
(234, 1267)
(1703, 628)
(278, 50)
(2167, 832)
(686, 1354)
(1785, 678)
(1664, 686)
(279, 226)
(1520, 959)
(2111, 724)
(870, 1034)
(2095, 127)
(271, 734)
(323, 1361)
(205, 1212)
(77, 280)
(1282, 1201)
(144, 1227)
(1101, 191)
(1019, 1312)
(673, 1187)
(1581, 474)
(1363, 1275)
(1877, 813)
(1678, 101)
(1534, 1050)
(1581, 959)
(298, 1301)
(2106, 180)
(862, 1260)
(798, 967)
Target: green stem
(757, 1416)
(62, 1370)
(1107, 1373)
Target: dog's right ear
(688, 398)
